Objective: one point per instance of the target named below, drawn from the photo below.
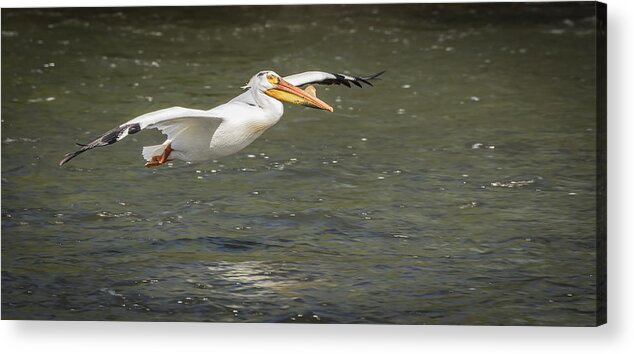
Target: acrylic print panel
(466, 186)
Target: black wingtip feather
(357, 80)
(108, 138)
(374, 76)
(364, 81)
(72, 155)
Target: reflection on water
(459, 190)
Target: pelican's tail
(151, 151)
(109, 137)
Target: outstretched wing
(170, 121)
(324, 78)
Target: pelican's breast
(234, 136)
(257, 127)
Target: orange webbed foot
(159, 160)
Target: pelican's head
(275, 86)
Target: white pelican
(198, 135)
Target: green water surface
(460, 189)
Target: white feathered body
(215, 133)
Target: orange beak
(286, 92)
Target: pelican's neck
(272, 107)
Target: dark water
(459, 190)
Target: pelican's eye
(273, 79)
